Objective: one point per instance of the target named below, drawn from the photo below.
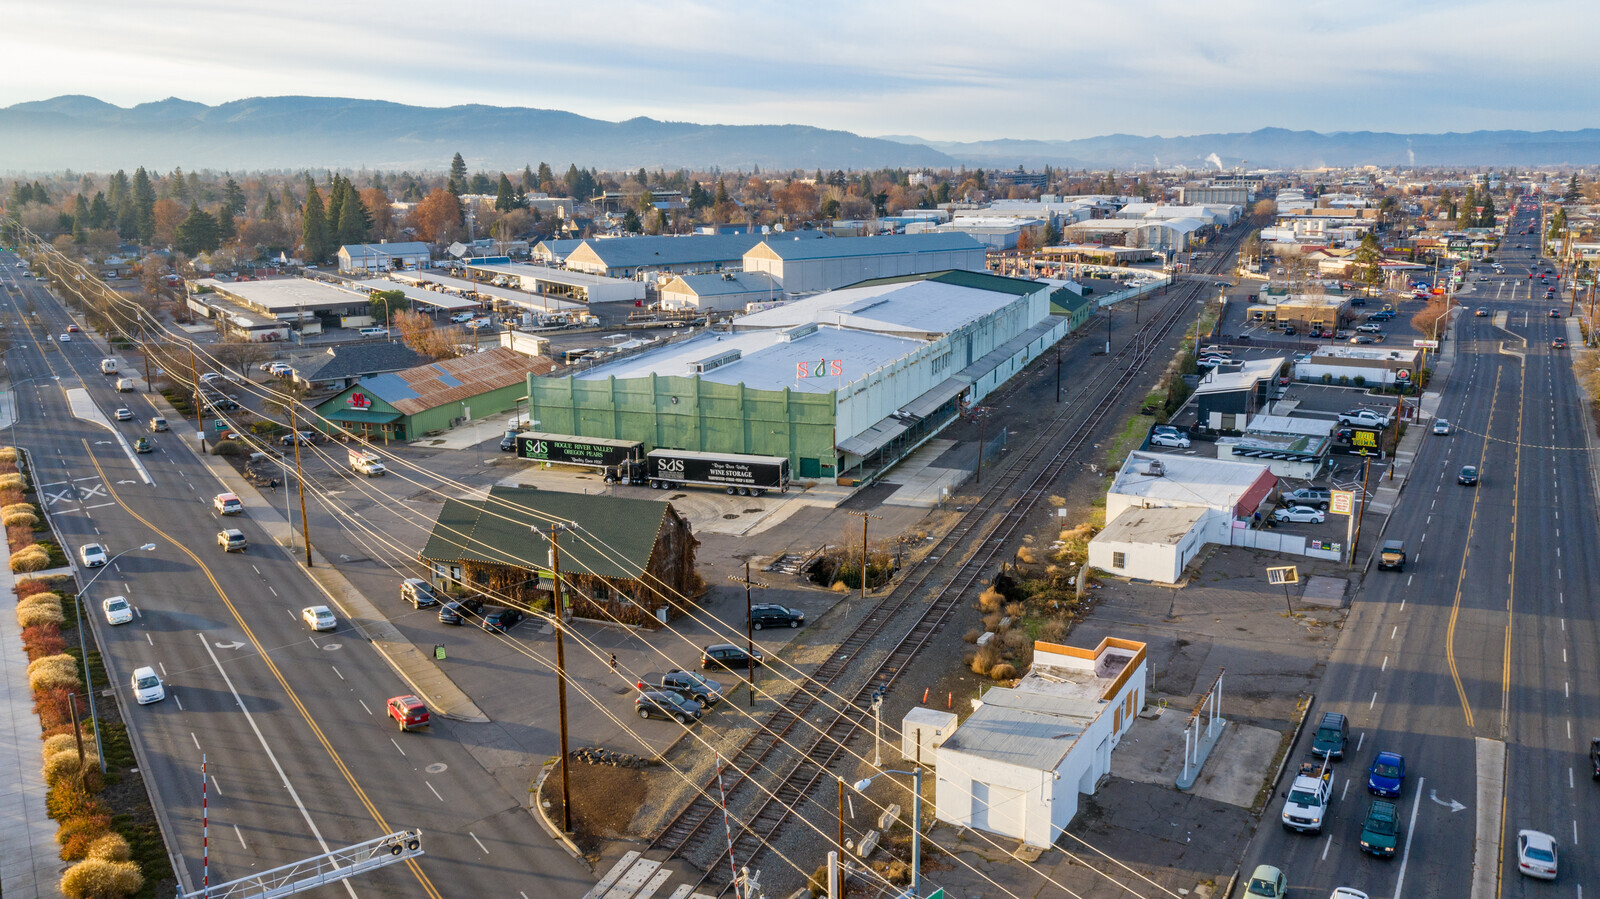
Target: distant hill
(319, 132)
(1280, 148)
(86, 134)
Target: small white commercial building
(383, 257)
(1156, 544)
(1015, 767)
(1370, 364)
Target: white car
(1536, 854)
(1177, 440)
(117, 610)
(123, 413)
(92, 555)
(1302, 514)
(66, 338)
(1441, 426)
(147, 686)
(319, 618)
(1347, 893)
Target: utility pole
(749, 628)
(1366, 472)
(1058, 373)
(300, 484)
(864, 518)
(561, 680)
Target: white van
(124, 385)
(108, 366)
(374, 332)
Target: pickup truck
(1393, 556)
(703, 690)
(1309, 797)
(1365, 417)
(1380, 832)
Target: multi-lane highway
(1484, 648)
(300, 754)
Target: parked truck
(591, 452)
(1309, 796)
(366, 462)
(738, 474)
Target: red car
(409, 712)
(72, 329)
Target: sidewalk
(30, 865)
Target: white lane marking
(1372, 702)
(1403, 602)
(1563, 655)
(178, 701)
(435, 792)
(1574, 831)
(196, 740)
(480, 842)
(163, 667)
(251, 720)
(1569, 728)
(364, 705)
(1346, 791)
(1326, 846)
(274, 592)
(240, 836)
(1408, 579)
(1569, 778)
(216, 786)
(254, 568)
(1566, 688)
(1385, 666)
(147, 638)
(397, 745)
(336, 671)
(1360, 738)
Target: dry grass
(8, 454)
(19, 519)
(34, 616)
(1003, 671)
(13, 481)
(1013, 609)
(972, 635)
(30, 558)
(53, 673)
(1055, 630)
(991, 621)
(59, 743)
(110, 847)
(1027, 556)
(95, 878)
(990, 601)
(984, 659)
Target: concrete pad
(1152, 753)
(1327, 592)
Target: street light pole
(749, 629)
(83, 647)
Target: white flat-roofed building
(1156, 544)
(1153, 480)
(433, 300)
(501, 296)
(1371, 364)
(812, 266)
(270, 309)
(1016, 765)
(561, 284)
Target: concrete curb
(1277, 776)
(543, 816)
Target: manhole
(436, 768)
(329, 647)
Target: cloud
(941, 69)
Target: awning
(368, 416)
(929, 403)
(874, 438)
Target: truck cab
(1393, 556)
(1309, 796)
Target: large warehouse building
(843, 384)
(810, 266)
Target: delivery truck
(669, 469)
(610, 456)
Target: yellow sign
(1342, 502)
(1366, 439)
(1288, 574)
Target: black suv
(456, 612)
(774, 615)
(726, 655)
(501, 619)
(416, 591)
(1468, 475)
(666, 704)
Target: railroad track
(1019, 486)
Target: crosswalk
(636, 877)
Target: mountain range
(290, 133)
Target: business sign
(1364, 439)
(1403, 374)
(1425, 344)
(358, 400)
(1287, 574)
(822, 368)
(1341, 502)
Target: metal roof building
(383, 257)
(813, 266)
(406, 404)
(724, 292)
(626, 257)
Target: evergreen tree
(314, 225)
(80, 219)
(233, 197)
(99, 211)
(544, 175)
(226, 229)
(528, 184)
(1574, 192)
(198, 232)
(117, 189)
(630, 222)
(480, 184)
(270, 209)
(458, 176)
(335, 205)
(505, 199)
(355, 223)
(144, 206)
(1486, 217)
(722, 193)
(176, 186)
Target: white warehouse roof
(905, 307)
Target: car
(293, 437)
(232, 540)
(1165, 429)
(416, 591)
(280, 368)
(158, 424)
(408, 712)
(143, 445)
(1536, 854)
(1481, 312)
(1441, 426)
(727, 655)
(1594, 757)
(72, 329)
(1347, 893)
(1483, 277)
(319, 618)
(1176, 440)
(1331, 736)
(1555, 313)
(1363, 339)
(123, 413)
(1558, 344)
(1386, 776)
(117, 610)
(501, 619)
(508, 441)
(267, 366)
(697, 687)
(457, 611)
(147, 686)
(1381, 829)
(227, 504)
(1468, 475)
(1364, 417)
(92, 555)
(666, 704)
(1303, 514)
(461, 318)
(1317, 497)
(66, 338)
(1267, 882)
(768, 614)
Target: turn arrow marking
(236, 645)
(1452, 805)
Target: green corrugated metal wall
(689, 413)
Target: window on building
(1119, 560)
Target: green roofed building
(627, 560)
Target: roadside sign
(1341, 502)
(1403, 374)
(1364, 439)
(1288, 574)
(1425, 344)
(220, 425)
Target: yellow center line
(261, 651)
(1461, 576)
(1511, 588)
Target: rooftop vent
(1155, 469)
(712, 363)
(793, 334)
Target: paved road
(1487, 640)
(300, 754)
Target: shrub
(984, 659)
(10, 495)
(1016, 638)
(990, 601)
(228, 448)
(95, 878)
(63, 766)
(18, 536)
(1013, 610)
(30, 558)
(972, 635)
(991, 621)
(18, 507)
(1359, 380)
(69, 799)
(58, 665)
(43, 640)
(8, 454)
(1054, 631)
(40, 595)
(110, 847)
(1003, 671)
(27, 587)
(34, 602)
(59, 743)
(20, 519)
(1026, 556)
(13, 481)
(78, 834)
(54, 708)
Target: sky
(943, 71)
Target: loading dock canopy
(439, 299)
(874, 438)
(929, 403)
